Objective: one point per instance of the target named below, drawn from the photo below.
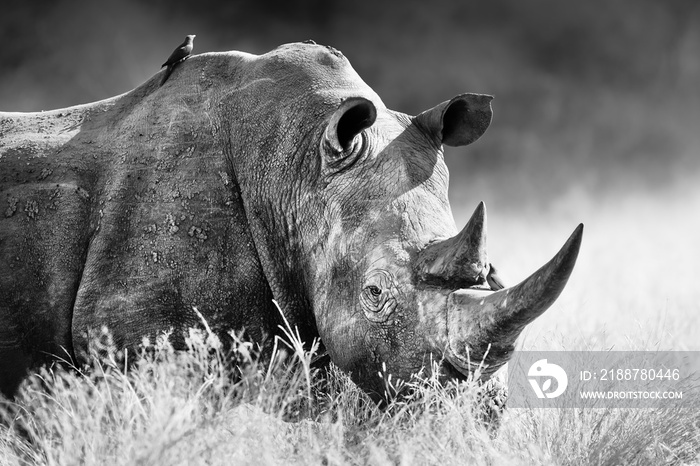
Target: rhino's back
(44, 229)
(125, 214)
(171, 234)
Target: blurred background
(596, 115)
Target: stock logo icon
(540, 376)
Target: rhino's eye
(371, 298)
(378, 296)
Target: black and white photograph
(350, 233)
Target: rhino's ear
(353, 116)
(460, 121)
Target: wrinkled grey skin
(247, 178)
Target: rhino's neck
(267, 157)
(273, 207)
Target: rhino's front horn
(459, 260)
(480, 320)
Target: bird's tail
(166, 75)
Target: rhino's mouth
(450, 372)
(454, 368)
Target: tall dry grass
(191, 407)
(633, 289)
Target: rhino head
(352, 221)
(403, 286)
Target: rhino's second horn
(460, 259)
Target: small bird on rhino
(180, 54)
